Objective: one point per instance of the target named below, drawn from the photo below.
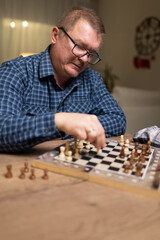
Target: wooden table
(65, 208)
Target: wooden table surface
(65, 208)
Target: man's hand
(85, 126)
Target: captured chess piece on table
(9, 171)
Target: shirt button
(47, 130)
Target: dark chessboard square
(86, 158)
(113, 169)
(110, 146)
(98, 156)
(106, 162)
(112, 155)
(92, 152)
(119, 161)
(91, 164)
(105, 151)
(116, 150)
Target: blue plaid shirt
(30, 97)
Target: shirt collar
(46, 68)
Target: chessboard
(131, 166)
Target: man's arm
(107, 110)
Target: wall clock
(147, 38)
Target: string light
(25, 24)
(12, 24)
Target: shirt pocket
(79, 105)
(34, 109)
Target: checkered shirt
(30, 97)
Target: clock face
(147, 38)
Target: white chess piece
(126, 149)
(62, 155)
(69, 157)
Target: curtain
(41, 16)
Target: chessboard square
(110, 159)
(104, 162)
(113, 169)
(114, 152)
(105, 151)
(81, 162)
(91, 152)
(95, 160)
(91, 164)
(120, 161)
(116, 165)
(86, 158)
(112, 155)
(98, 156)
(111, 144)
(102, 166)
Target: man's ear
(54, 34)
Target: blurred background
(133, 76)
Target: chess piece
(99, 151)
(132, 158)
(62, 155)
(26, 168)
(69, 156)
(45, 176)
(139, 167)
(142, 156)
(148, 150)
(136, 149)
(74, 145)
(76, 154)
(122, 140)
(9, 171)
(80, 144)
(88, 146)
(22, 175)
(126, 168)
(122, 153)
(126, 149)
(32, 176)
(67, 148)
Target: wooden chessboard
(105, 167)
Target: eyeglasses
(80, 51)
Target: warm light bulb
(25, 24)
(12, 24)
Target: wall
(121, 19)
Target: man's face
(65, 63)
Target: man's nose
(84, 58)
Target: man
(54, 94)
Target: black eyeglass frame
(87, 52)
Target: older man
(55, 94)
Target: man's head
(79, 29)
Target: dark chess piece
(122, 153)
(26, 168)
(9, 171)
(45, 176)
(139, 167)
(22, 175)
(32, 176)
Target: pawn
(22, 175)
(88, 146)
(26, 168)
(126, 168)
(148, 150)
(62, 154)
(69, 156)
(122, 153)
(132, 158)
(32, 176)
(9, 171)
(138, 169)
(80, 144)
(45, 176)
